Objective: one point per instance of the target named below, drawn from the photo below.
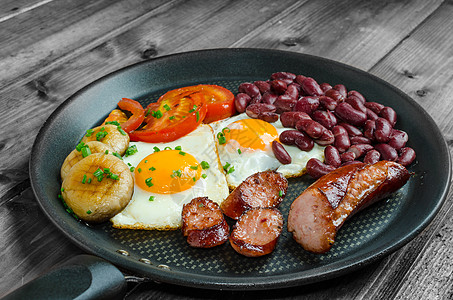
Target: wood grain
(51, 49)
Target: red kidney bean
(249, 89)
(283, 75)
(342, 89)
(325, 87)
(327, 102)
(387, 151)
(295, 137)
(269, 98)
(290, 118)
(307, 104)
(335, 95)
(326, 138)
(256, 99)
(241, 101)
(280, 153)
(368, 129)
(317, 169)
(356, 103)
(278, 86)
(332, 156)
(372, 157)
(299, 78)
(352, 130)
(324, 117)
(398, 139)
(406, 157)
(349, 114)
(360, 149)
(374, 106)
(359, 140)
(311, 87)
(342, 142)
(389, 114)
(347, 156)
(269, 117)
(357, 95)
(311, 128)
(371, 115)
(253, 110)
(382, 130)
(292, 91)
(263, 86)
(284, 103)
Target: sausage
(319, 212)
(203, 223)
(262, 189)
(257, 231)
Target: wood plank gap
(23, 10)
(90, 45)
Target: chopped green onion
(204, 165)
(114, 176)
(89, 132)
(85, 151)
(167, 148)
(193, 109)
(88, 212)
(204, 175)
(80, 146)
(239, 151)
(152, 169)
(221, 137)
(132, 169)
(120, 129)
(112, 123)
(139, 170)
(225, 167)
(280, 193)
(231, 170)
(148, 182)
(157, 114)
(151, 198)
(225, 129)
(197, 113)
(148, 111)
(62, 189)
(176, 173)
(117, 155)
(98, 173)
(178, 148)
(101, 134)
(131, 150)
(194, 179)
(182, 153)
(106, 152)
(84, 178)
(106, 171)
(172, 118)
(89, 180)
(194, 167)
(156, 149)
(167, 108)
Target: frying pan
(165, 256)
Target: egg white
(164, 211)
(250, 162)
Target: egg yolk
(250, 134)
(167, 172)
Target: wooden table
(50, 49)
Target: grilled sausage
(203, 223)
(262, 189)
(257, 231)
(319, 212)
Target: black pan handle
(82, 277)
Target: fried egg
(245, 147)
(169, 175)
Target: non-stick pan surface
(165, 256)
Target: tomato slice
(175, 114)
(137, 111)
(219, 100)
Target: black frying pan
(165, 256)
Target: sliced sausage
(203, 223)
(319, 212)
(257, 231)
(262, 189)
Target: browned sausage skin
(257, 231)
(262, 189)
(319, 212)
(203, 223)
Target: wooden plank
(59, 28)
(354, 32)
(12, 8)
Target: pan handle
(82, 277)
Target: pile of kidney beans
(352, 129)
